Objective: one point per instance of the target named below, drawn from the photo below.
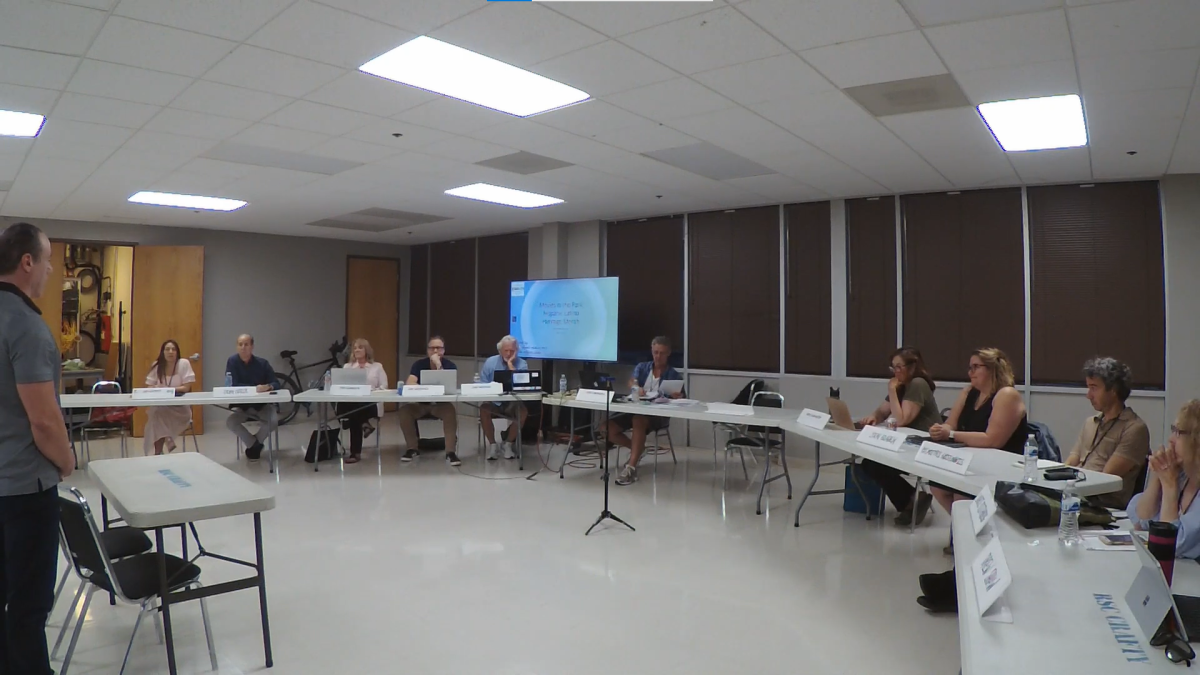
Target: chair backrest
(766, 399)
(106, 387)
(752, 387)
(81, 536)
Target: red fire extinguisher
(104, 326)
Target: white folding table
(167, 491)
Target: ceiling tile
(741, 132)
(1145, 122)
(1002, 84)
(1010, 41)
(522, 134)
(777, 188)
(1137, 71)
(881, 59)
(1052, 166)
(27, 99)
(280, 138)
(418, 17)
(645, 137)
(664, 101)
(320, 118)
(94, 4)
(589, 118)
(328, 35)
(126, 83)
(769, 79)
(716, 39)
(83, 108)
(230, 19)
(166, 149)
(520, 34)
(351, 150)
(145, 45)
(199, 125)
(604, 68)
(36, 69)
(222, 99)
(454, 116)
(616, 21)
(414, 136)
(370, 94)
(464, 149)
(805, 24)
(934, 12)
(263, 70)
(1134, 26)
(816, 168)
(957, 143)
(48, 26)
(64, 139)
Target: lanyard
(1098, 438)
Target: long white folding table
(167, 491)
(1058, 624)
(326, 399)
(205, 398)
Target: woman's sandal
(352, 459)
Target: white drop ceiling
(150, 94)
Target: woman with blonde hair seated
(1172, 484)
(164, 423)
(355, 416)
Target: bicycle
(291, 380)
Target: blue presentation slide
(573, 319)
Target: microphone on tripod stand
(608, 387)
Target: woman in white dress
(164, 423)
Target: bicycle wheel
(287, 411)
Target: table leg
(165, 598)
(520, 433)
(808, 490)
(183, 540)
(322, 415)
(262, 589)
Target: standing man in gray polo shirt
(35, 453)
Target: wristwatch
(951, 434)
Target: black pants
(28, 569)
(354, 416)
(898, 490)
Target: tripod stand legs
(610, 516)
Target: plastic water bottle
(228, 379)
(328, 379)
(1068, 520)
(476, 380)
(1031, 459)
(562, 383)
(890, 423)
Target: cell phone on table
(1117, 539)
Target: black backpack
(322, 446)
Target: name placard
(350, 390)
(880, 437)
(231, 392)
(991, 575)
(593, 396)
(813, 418)
(951, 459)
(423, 390)
(151, 393)
(482, 389)
(983, 509)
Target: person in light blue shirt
(1174, 480)
(505, 359)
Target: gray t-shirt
(918, 392)
(28, 355)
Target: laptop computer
(840, 414)
(348, 376)
(519, 381)
(595, 380)
(1150, 599)
(446, 378)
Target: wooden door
(373, 308)
(52, 295)
(168, 303)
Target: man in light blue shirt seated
(506, 359)
(647, 378)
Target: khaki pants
(409, 414)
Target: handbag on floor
(1035, 506)
(852, 501)
(322, 446)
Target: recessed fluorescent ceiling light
(442, 68)
(187, 201)
(22, 125)
(1036, 123)
(495, 194)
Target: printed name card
(593, 396)
(983, 508)
(950, 459)
(882, 438)
(423, 390)
(482, 389)
(231, 392)
(350, 390)
(990, 573)
(813, 419)
(151, 393)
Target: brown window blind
(1097, 280)
(502, 260)
(807, 289)
(733, 270)
(418, 299)
(964, 277)
(452, 295)
(647, 256)
(870, 285)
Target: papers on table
(682, 402)
(1109, 541)
(730, 409)
(1042, 463)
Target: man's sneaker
(254, 452)
(628, 475)
(453, 459)
(410, 455)
(493, 451)
(510, 451)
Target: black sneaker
(254, 452)
(409, 456)
(453, 459)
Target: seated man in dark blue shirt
(411, 412)
(647, 377)
(248, 370)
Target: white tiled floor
(426, 570)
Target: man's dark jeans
(28, 570)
